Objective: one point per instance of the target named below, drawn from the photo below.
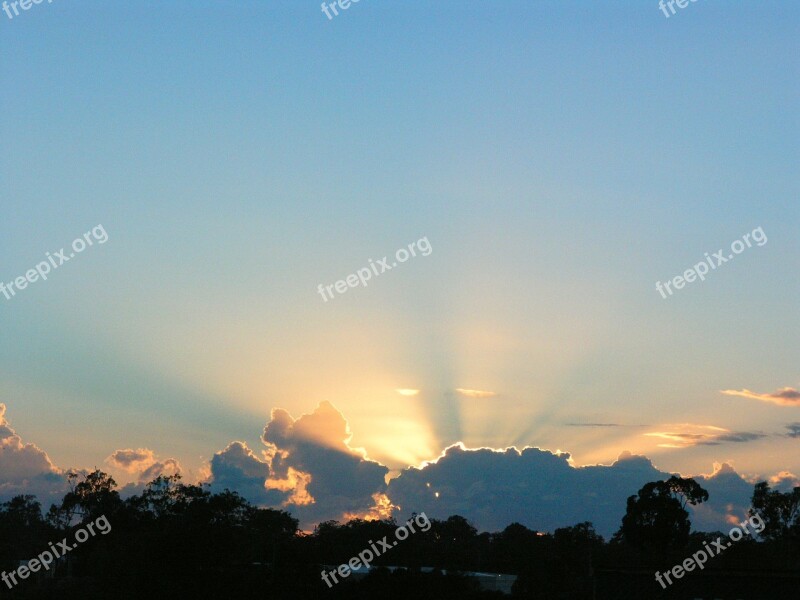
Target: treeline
(178, 540)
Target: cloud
(238, 468)
(25, 468)
(308, 467)
(132, 461)
(729, 497)
(593, 425)
(143, 463)
(794, 430)
(784, 397)
(740, 436)
(685, 435)
(535, 487)
(169, 466)
(313, 451)
(407, 391)
(785, 481)
(542, 490)
(475, 393)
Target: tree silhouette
(657, 516)
(88, 498)
(178, 540)
(779, 511)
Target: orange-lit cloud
(144, 463)
(686, 435)
(295, 482)
(787, 478)
(383, 509)
(310, 458)
(132, 461)
(305, 460)
(324, 427)
(319, 477)
(475, 393)
(783, 397)
(20, 462)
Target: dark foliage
(178, 540)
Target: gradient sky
(560, 157)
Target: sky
(557, 159)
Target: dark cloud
(308, 468)
(312, 462)
(535, 487)
(238, 468)
(728, 499)
(740, 436)
(543, 491)
(794, 430)
(686, 435)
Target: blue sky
(561, 157)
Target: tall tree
(780, 512)
(657, 517)
(91, 495)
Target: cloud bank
(307, 466)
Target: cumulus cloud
(169, 466)
(784, 397)
(685, 435)
(729, 497)
(238, 468)
(784, 481)
(535, 487)
(143, 463)
(308, 467)
(313, 451)
(543, 491)
(132, 461)
(25, 468)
